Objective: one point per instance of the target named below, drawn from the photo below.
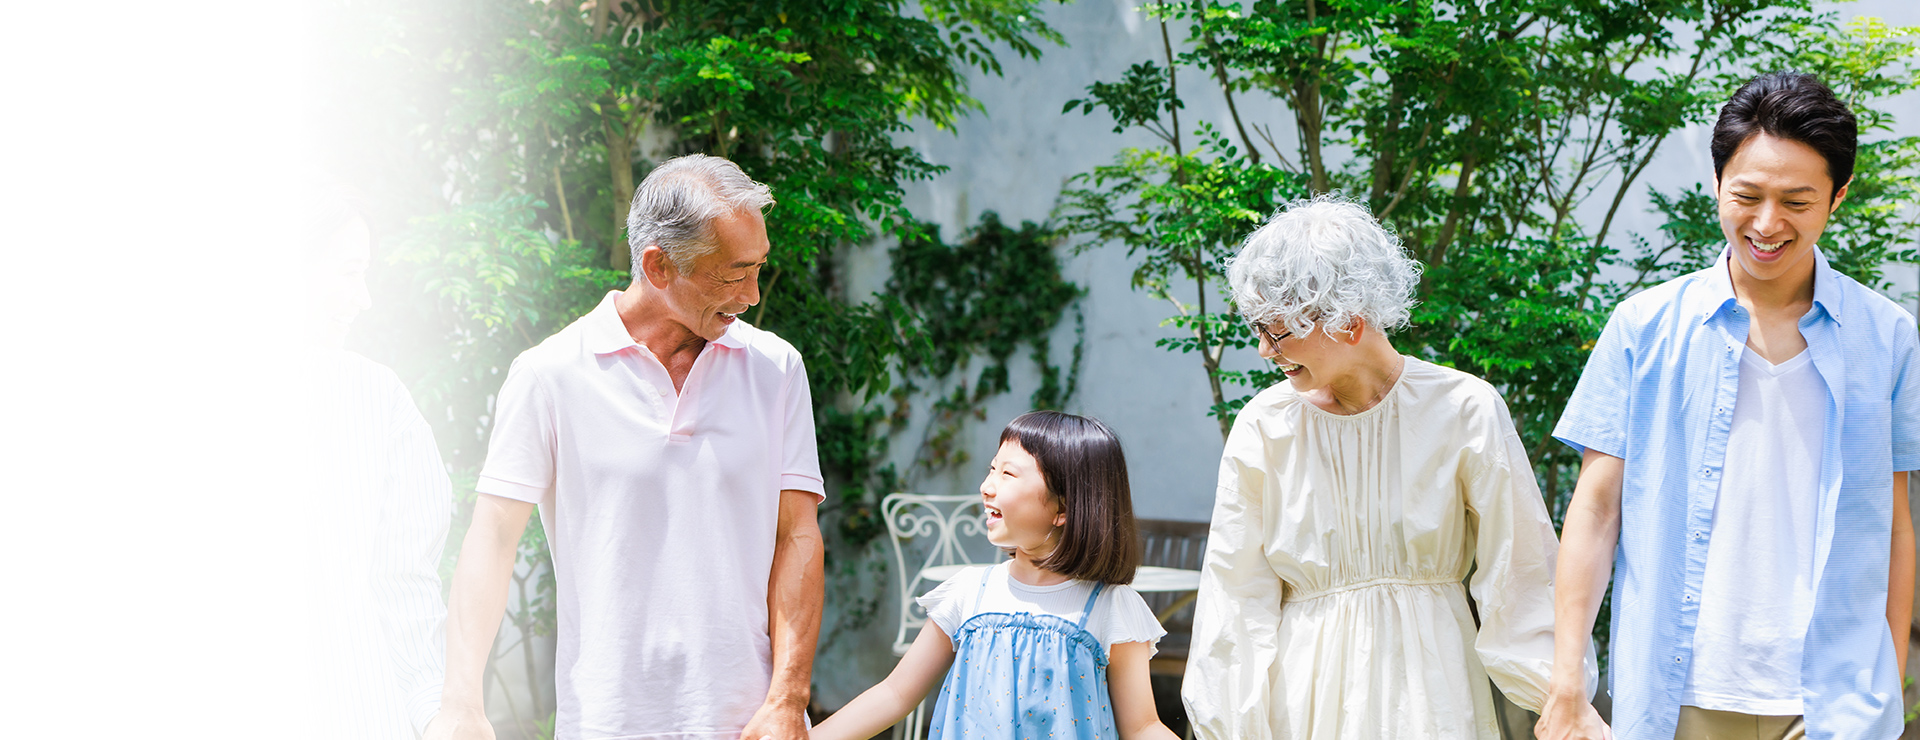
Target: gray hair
(676, 205)
(1323, 259)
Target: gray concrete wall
(1016, 157)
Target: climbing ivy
(996, 291)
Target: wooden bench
(1172, 544)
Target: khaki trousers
(1709, 724)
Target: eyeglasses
(1261, 330)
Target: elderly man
(670, 448)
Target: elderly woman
(1354, 500)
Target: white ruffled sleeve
(1129, 619)
(1513, 575)
(950, 603)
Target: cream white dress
(1331, 602)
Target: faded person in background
(670, 448)
(376, 609)
(1746, 432)
(1354, 499)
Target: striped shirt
(1658, 392)
(383, 513)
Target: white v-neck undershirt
(1757, 598)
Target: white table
(1149, 578)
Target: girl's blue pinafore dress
(1025, 676)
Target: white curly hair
(1323, 259)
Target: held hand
(1570, 717)
(777, 721)
(457, 725)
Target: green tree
(499, 143)
(1865, 61)
(1476, 131)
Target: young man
(1746, 431)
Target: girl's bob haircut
(1086, 474)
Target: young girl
(1050, 643)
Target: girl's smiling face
(1021, 513)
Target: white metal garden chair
(928, 531)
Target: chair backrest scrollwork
(928, 531)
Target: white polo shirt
(660, 510)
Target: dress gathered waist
(1371, 583)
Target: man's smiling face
(723, 283)
(1774, 199)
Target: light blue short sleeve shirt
(1658, 392)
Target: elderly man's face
(725, 282)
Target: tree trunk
(1461, 190)
(560, 187)
(620, 163)
(1386, 148)
(1173, 93)
(1307, 113)
(1208, 357)
(560, 194)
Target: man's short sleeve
(800, 471)
(1906, 400)
(520, 454)
(1596, 415)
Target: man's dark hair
(1793, 106)
(1086, 474)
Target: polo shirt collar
(1718, 295)
(606, 334)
